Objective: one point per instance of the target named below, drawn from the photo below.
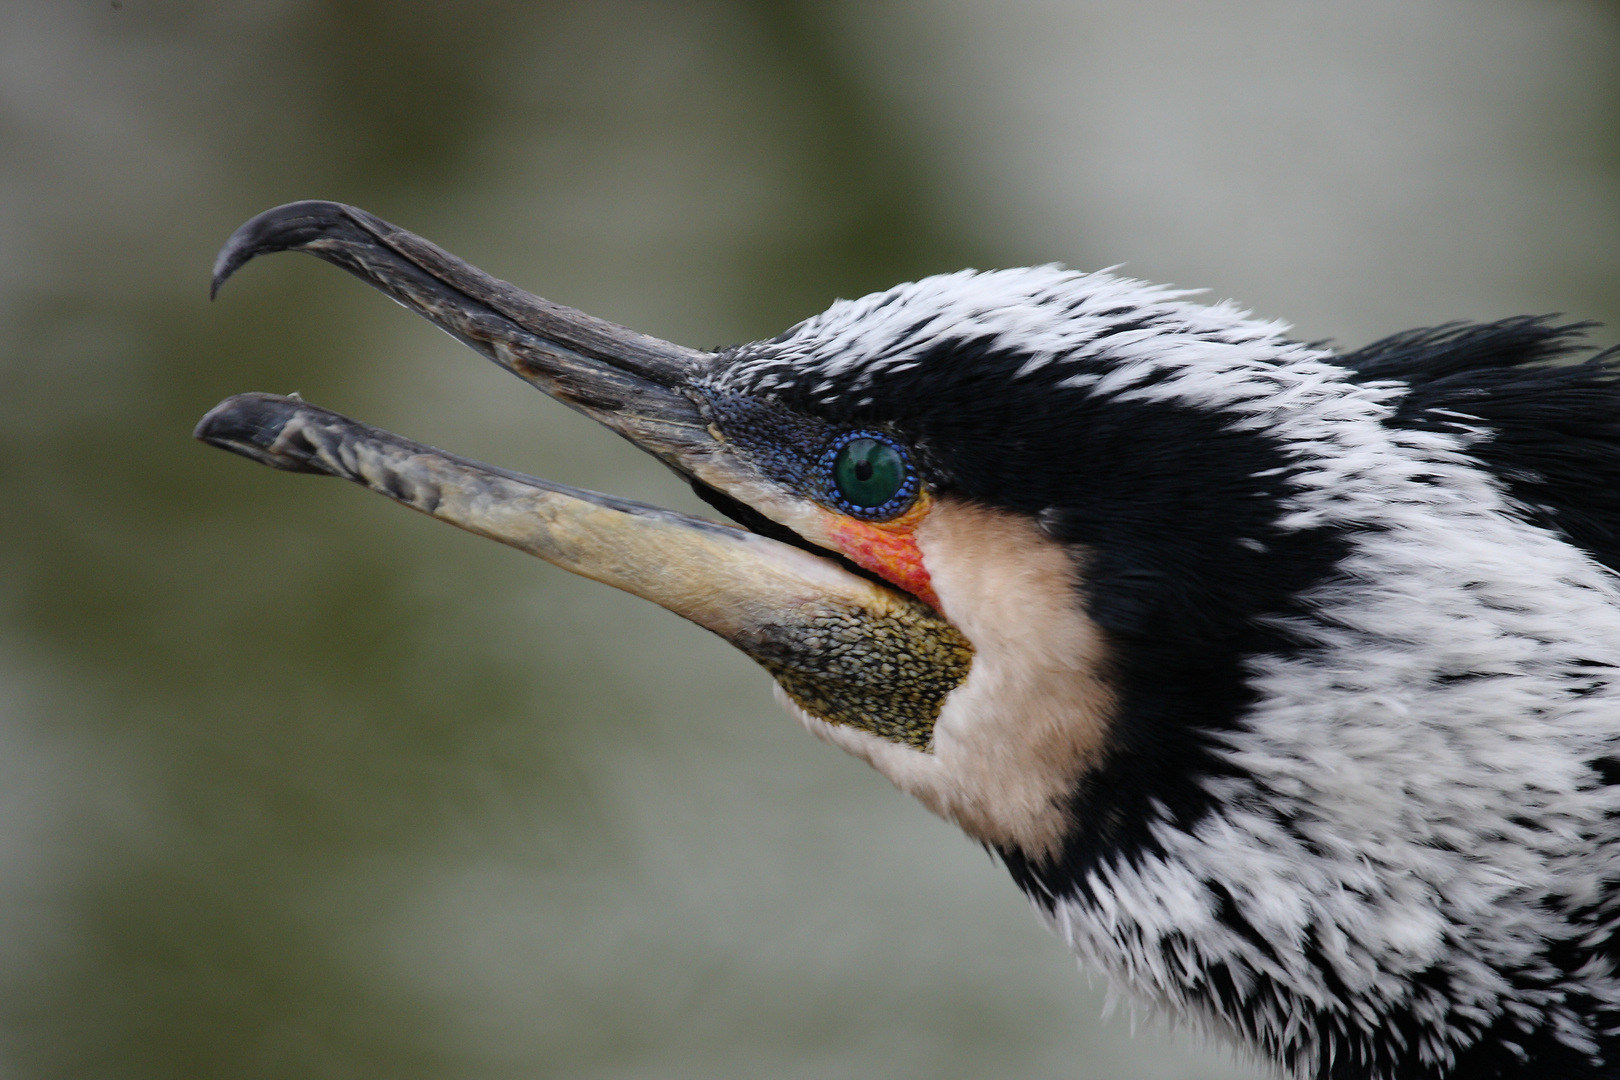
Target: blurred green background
(296, 784)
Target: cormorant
(1282, 680)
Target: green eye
(871, 475)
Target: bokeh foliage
(295, 784)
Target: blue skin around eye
(799, 451)
(895, 505)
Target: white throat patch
(1032, 718)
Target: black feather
(1546, 427)
(1172, 515)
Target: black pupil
(868, 472)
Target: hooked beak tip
(288, 227)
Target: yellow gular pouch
(886, 671)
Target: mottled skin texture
(887, 674)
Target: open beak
(632, 383)
(840, 644)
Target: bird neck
(1387, 869)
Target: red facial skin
(888, 548)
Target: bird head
(1281, 681)
(982, 513)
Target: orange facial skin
(888, 548)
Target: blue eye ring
(868, 496)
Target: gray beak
(895, 657)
